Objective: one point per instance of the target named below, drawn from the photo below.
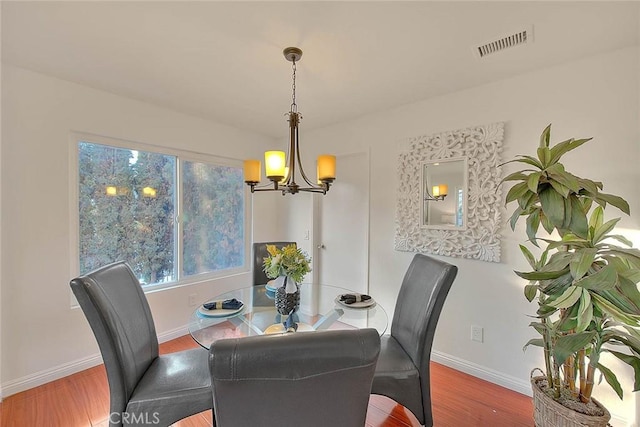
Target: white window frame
(181, 155)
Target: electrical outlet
(477, 333)
(192, 299)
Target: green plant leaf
(565, 146)
(630, 291)
(530, 292)
(539, 327)
(553, 206)
(597, 218)
(632, 361)
(589, 186)
(533, 223)
(621, 301)
(538, 342)
(544, 154)
(516, 176)
(541, 275)
(568, 321)
(528, 256)
(557, 173)
(630, 338)
(619, 238)
(611, 379)
(625, 297)
(578, 222)
(585, 312)
(556, 286)
(581, 262)
(529, 160)
(616, 201)
(601, 231)
(532, 181)
(608, 307)
(527, 200)
(514, 218)
(567, 298)
(546, 223)
(566, 222)
(568, 344)
(628, 273)
(517, 191)
(558, 261)
(631, 255)
(545, 310)
(545, 136)
(560, 188)
(602, 280)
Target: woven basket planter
(549, 413)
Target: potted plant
(288, 265)
(585, 285)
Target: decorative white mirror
(444, 191)
(449, 198)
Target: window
(171, 215)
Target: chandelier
(281, 169)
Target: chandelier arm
(293, 127)
(304, 175)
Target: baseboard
(482, 372)
(47, 375)
(506, 381)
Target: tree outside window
(128, 205)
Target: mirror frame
(481, 146)
(465, 172)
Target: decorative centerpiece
(585, 287)
(288, 266)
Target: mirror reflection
(444, 189)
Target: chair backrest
(259, 254)
(118, 312)
(310, 379)
(423, 292)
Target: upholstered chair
(144, 387)
(402, 372)
(310, 379)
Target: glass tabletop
(320, 308)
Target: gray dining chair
(402, 372)
(310, 379)
(144, 387)
(259, 254)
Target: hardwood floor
(459, 400)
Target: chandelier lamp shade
(281, 168)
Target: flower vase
(287, 295)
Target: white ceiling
(223, 60)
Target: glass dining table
(320, 308)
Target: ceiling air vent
(516, 39)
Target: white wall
(596, 97)
(42, 337)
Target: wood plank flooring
(459, 400)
